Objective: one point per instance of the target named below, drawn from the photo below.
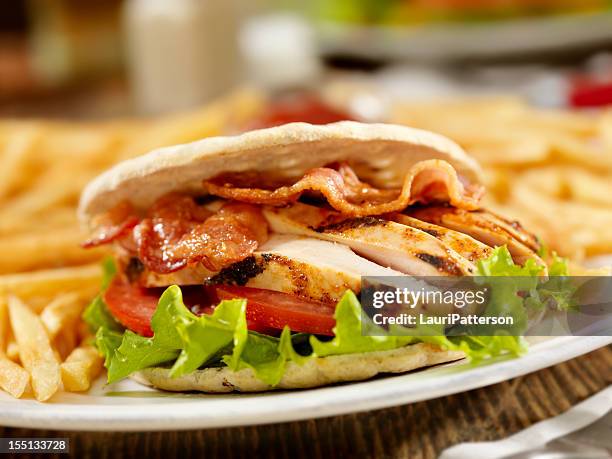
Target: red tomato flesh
(267, 311)
(276, 309)
(131, 305)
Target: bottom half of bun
(316, 372)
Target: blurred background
(522, 85)
(104, 58)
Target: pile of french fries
(550, 169)
(46, 278)
(44, 345)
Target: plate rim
(290, 406)
(450, 40)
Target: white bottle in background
(280, 51)
(180, 52)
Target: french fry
(33, 251)
(65, 342)
(50, 189)
(13, 378)
(12, 351)
(48, 283)
(89, 143)
(21, 141)
(579, 152)
(35, 350)
(582, 223)
(81, 367)
(62, 312)
(4, 324)
(58, 218)
(525, 150)
(589, 187)
(83, 332)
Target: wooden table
(420, 430)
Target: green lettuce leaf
(478, 348)
(285, 347)
(500, 263)
(261, 353)
(558, 266)
(97, 315)
(556, 291)
(204, 337)
(425, 333)
(137, 352)
(514, 289)
(350, 339)
(267, 356)
(506, 280)
(107, 341)
(354, 332)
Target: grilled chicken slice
(485, 227)
(310, 268)
(400, 247)
(461, 243)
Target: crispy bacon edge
(176, 233)
(228, 236)
(427, 181)
(113, 225)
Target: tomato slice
(275, 310)
(132, 306)
(267, 311)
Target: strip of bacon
(177, 232)
(112, 225)
(426, 182)
(178, 206)
(167, 244)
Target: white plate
(141, 409)
(460, 40)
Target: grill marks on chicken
(431, 181)
(461, 243)
(306, 267)
(309, 268)
(485, 227)
(387, 243)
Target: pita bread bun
(316, 372)
(380, 154)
